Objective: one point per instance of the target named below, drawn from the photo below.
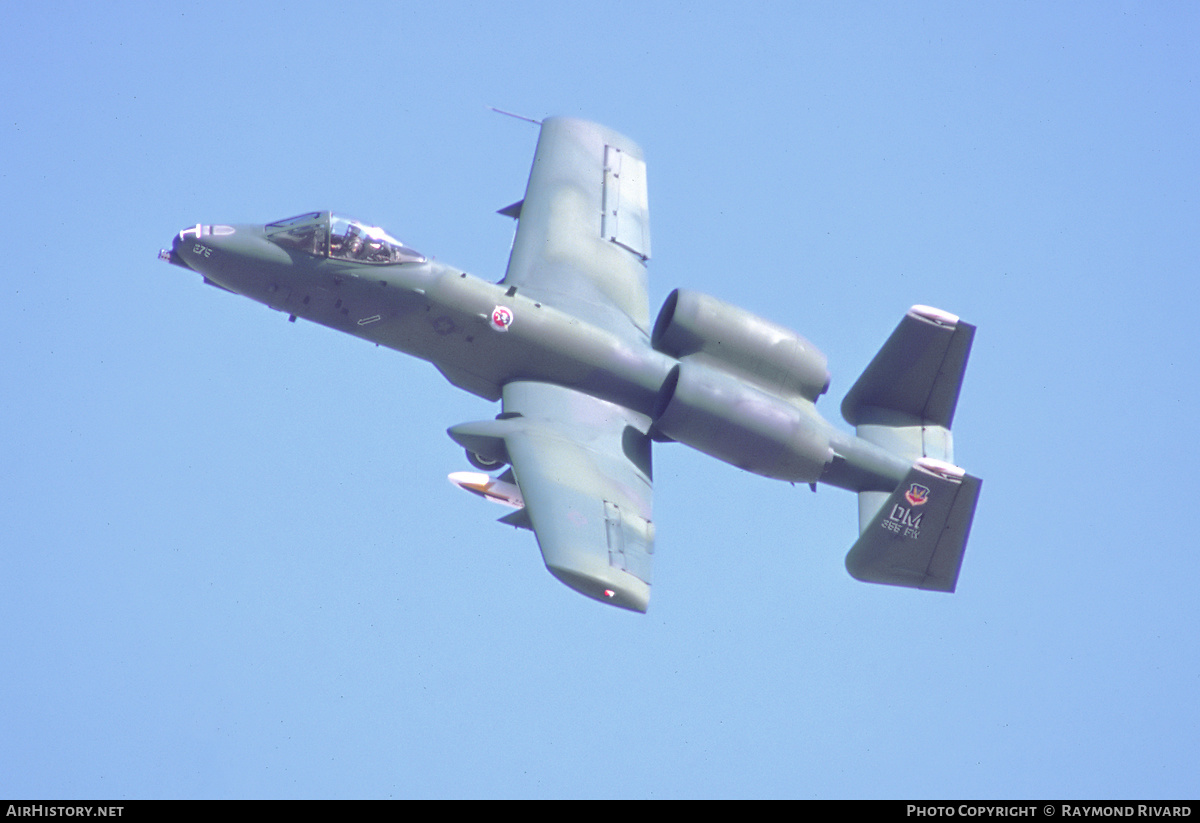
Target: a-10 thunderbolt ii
(587, 384)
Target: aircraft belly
(368, 311)
(592, 363)
(445, 316)
(456, 330)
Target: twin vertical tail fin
(918, 536)
(904, 402)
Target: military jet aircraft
(587, 384)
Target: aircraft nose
(175, 253)
(177, 247)
(195, 243)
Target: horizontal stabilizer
(918, 536)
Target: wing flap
(626, 208)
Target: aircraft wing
(583, 230)
(583, 466)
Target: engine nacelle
(698, 327)
(724, 416)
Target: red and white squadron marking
(502, 318)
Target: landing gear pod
(483, 463)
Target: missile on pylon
(496, 489)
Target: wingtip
(628, 593)
(932, 315)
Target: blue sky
(232, 566)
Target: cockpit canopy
(323, 234)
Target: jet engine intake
(694, 326)
(722, 415)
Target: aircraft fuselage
(432, 311)
(448, 317)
